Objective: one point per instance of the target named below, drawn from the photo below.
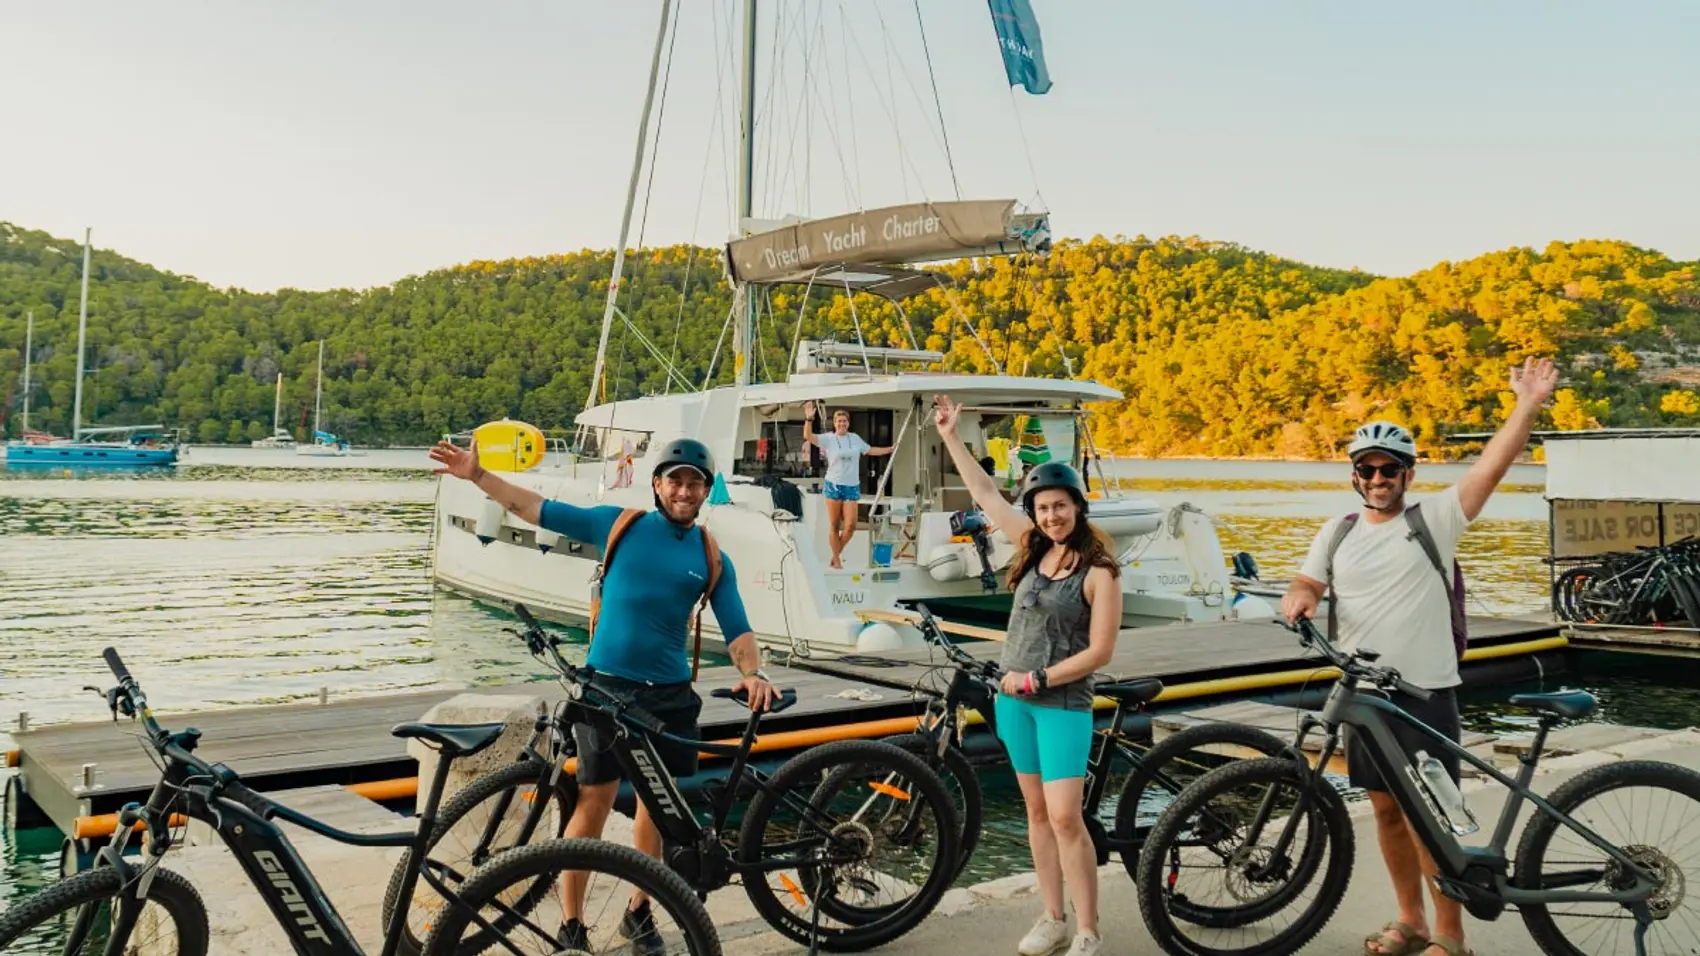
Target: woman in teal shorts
(1063, 625)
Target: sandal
(1449, 947)
(1412, 943)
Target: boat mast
(277, 404)
(319, 390)
(608, 309)
(29, 339)
(746, 188)
(82, 330)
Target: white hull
(794, 600)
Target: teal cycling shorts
(1049, 741)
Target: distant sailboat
(325, 444)
(280, 437)
(135, 444)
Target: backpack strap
(622, 523)
(711, 553)
(1340, 531)
(1425, 537)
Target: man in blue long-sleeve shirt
(639, 649)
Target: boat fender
(489, 521)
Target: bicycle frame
(1464, 869)
(633, 736)
(243, 818)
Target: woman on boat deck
(1066, 612)
(843, 449)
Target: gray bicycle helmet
(685, 451)
(1385, 437)
(1052, 474)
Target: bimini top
(893, 236)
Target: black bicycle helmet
(685, 451)
(1052, 474)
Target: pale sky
(318, 144)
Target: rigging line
(726, 166)
(1027, 149)
(766, 297)
(890, 112)
(767, 116)
(939, 136)
(719, 343)
(891, 86)
(850, 101)
(655, 142)
(792, 111)
(650, 346)
(956, 307)
(802, 307)
(696, 215)
(851, 201)
(938, 104)
(804, 205)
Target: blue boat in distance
(122, 445)
(132, 446)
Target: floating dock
(75, 772)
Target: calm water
(247, 576)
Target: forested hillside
(1220, 350)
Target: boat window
(608, 444)
(779, 451)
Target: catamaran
(918, 535)
(121, 445)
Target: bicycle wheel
(856, 862)
(494, 814)
(1166, 769)
(1199, 879)
(489, 921)
(74, 916)
(1647, 809)
(963, 784)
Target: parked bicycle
(128, 905)
(820, 867)
(1658, 585)
(1247, 887)
(1155, 773)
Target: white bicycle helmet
(1384, 437)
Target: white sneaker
(1086, 944)
(1046, 937)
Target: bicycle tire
(1538, 833)
(953, 765)
(1163, 754)
(170, 891)
(819, 763)
(539, 862)
(497, 786)
(1153, 887)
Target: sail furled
(1019, 41)
(918, 232)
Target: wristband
(1027, 683)
(1044, 679)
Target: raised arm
(463, 463)
(809, 424)
(1004, 515)
(1533, 385)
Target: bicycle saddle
(456, 740)
(1569, 704)
(1131, 692)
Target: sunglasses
(1031, 600)
(1391, 469)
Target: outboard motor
(1245, 566)
(973, 525)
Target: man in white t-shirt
(1389, 598)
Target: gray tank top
(1056, 627)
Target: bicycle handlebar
(1357, 664)
(930, 630)
(163, 741)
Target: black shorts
(1440, 712)
(677, 706)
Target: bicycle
(165, 908)
(1156, 774)
(794, 845)
(1627, 879)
